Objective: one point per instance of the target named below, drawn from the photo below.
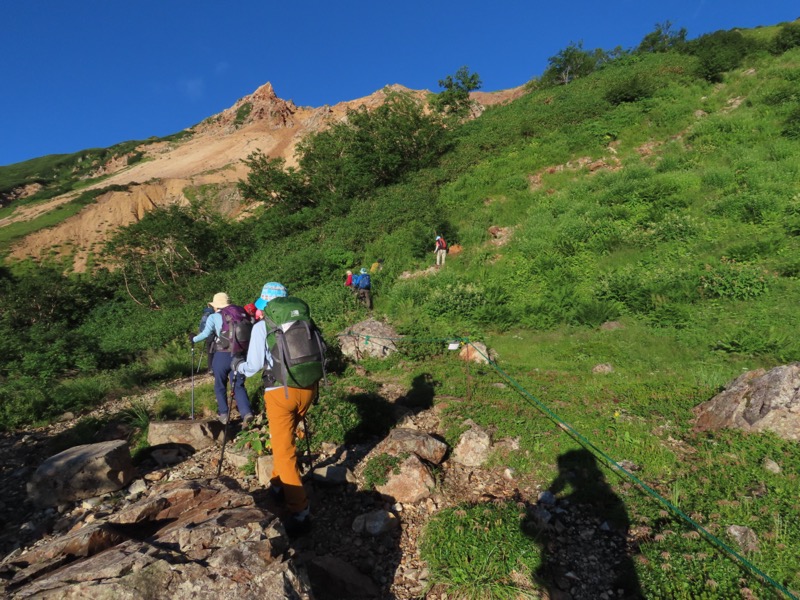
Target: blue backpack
(355, 281)
(364, 282)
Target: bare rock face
(197, 434)
(368, 338)
(187, 539)
(757, 401)
(81, 472)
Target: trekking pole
(309, 457)
(227, 424)
(192, 367)
(199, 360)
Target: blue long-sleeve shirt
(213, 325)
(258, 354)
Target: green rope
(612, 463)
(586, 443)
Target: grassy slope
(651, 244)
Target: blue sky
(92, 73)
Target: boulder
(368, 338)
(413, 483)
(197, 539)
(402, 440)
(473, 447)
(745, 538)
(376, 522)
(333, 475)
(81, 472)
(197, 434)
(476, 352)
(757, 401)
(264, 466)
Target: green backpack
(295, 343)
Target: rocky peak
(263, 105)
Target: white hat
(219, 301)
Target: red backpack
(441, 244)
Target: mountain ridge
(212, 155)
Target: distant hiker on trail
(440, 249)
(207, 312)
(288, 347)
(348, 280)
(362, 285)
(376, 266)
(224, 323)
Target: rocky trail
(363, 544)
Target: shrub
(736, 281)
(378, 469)
(748, 207)
(787, 38)
(242, 113)
(719, 52)
(635, 88)
(791, 125)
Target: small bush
(635, 88)
(379, 468)
(791, 126)
(788, 37)
(736, 281)
(242, 113)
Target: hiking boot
(296, 525)
(247, 419)
(276, 492)
(223, 418)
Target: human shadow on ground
(342, 563)
(583, 535)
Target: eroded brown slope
(212, 156)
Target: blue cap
(271, 290)
(363, 270)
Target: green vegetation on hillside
(657, 188)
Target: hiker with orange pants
(286, 401)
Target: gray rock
(757, 401)
(81, 472)
(197, 434)
(413, 483)
(197, 539)
(376, 522)
(264, 466)
(744, 537)
(771, 466)
(547, 498)
(403, 440)
(333, 475)
(473, 448)
(368, 338)
(477, 352)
